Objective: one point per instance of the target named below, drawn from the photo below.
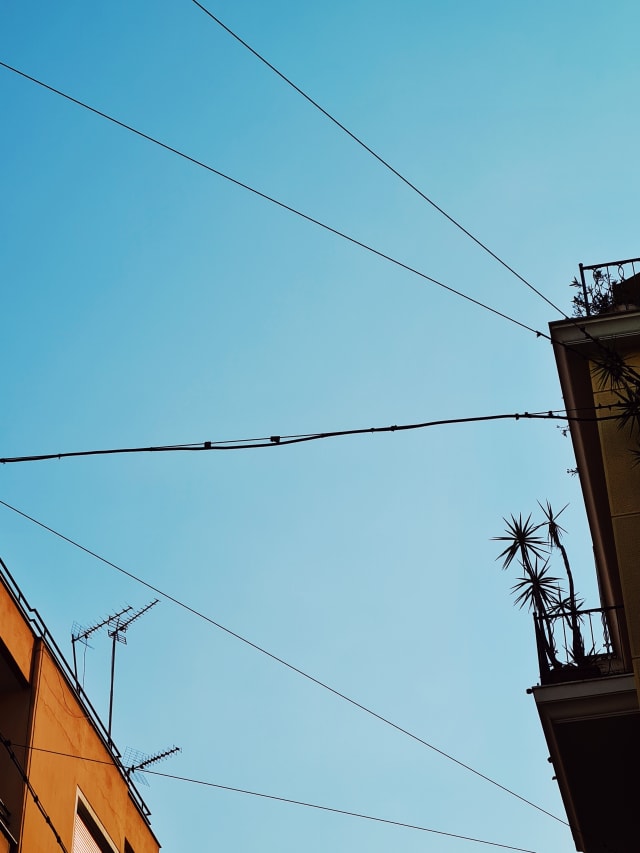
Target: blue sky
(148, 302)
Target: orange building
(63, 786)
(590, 709)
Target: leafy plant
(599, 299)
(610, 370)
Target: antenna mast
(82, 634)
(117, 634)
(137, 762)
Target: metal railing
(609, 287)
(38, 626)
(588, 644)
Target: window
(88, 834)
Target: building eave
(591, 728)
(575, 343)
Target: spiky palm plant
(536, 587)
(612, 372)
(570, 614)
(629, 408)
(537, 590)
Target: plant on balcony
(598, 295)
(612, 373)
(605, 294)
(532, 546)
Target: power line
(285, 440)
(380, 159)
(279, 660)
(36, 799)
(339, 811)
(314, 221)
(323, 225)
(404, 179)
(290, 801)
(275, 201)
(326, 227)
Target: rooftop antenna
(117, 634)
(81, 634)
(135, 763)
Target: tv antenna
(81, 634)
(118, 635)
(135, 763)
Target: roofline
(40, 630)
(574, 343)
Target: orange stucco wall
(60, 725)
(16, 649)
(40, 709)
(15, 635)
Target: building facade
(589, 709)
(62, 784)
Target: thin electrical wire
(36, 799)
(314, 221)
(307, 438)
(404, 179)
(380, 159)
(332, 230)
(279, 660)
(338, 811)
(275, 201)
(290, 801)
(286, 440)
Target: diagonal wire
(289, 800)
(280, 660)
(36, 799)
(273, 200)
(377, 156)
(402, 177)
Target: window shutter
(82, 839)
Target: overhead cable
(293, 802)
(36, 799)
(404, 179)
(279, 660)
(380, 159)
(285, 440)
(275, 201)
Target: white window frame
(92, 822)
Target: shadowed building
(51, 802)
(589, 708)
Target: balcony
(587, 644)
(588, 708)
(607, 288)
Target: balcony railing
(607, 288)
(589, 644)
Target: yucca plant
(535, 588)
(532, 545)
(569, 607)
(611, 372)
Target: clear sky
(149, 302)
